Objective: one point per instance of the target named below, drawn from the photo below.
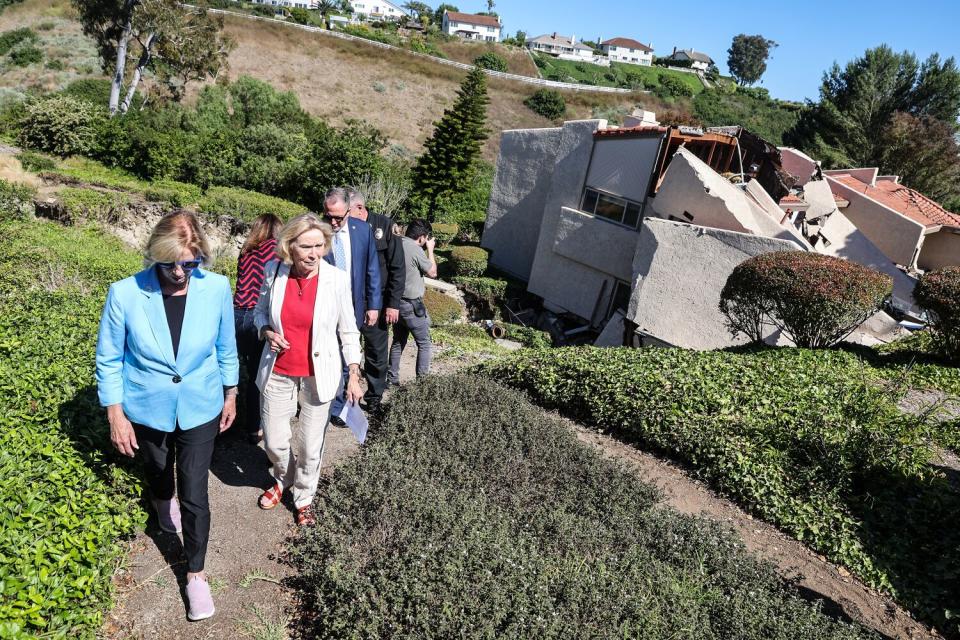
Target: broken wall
(940, 249)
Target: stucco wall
(797, 163)
(894, 234)
(940, 249)
(565, 283)
(678, 272)
(520, 187)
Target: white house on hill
(561, 46)
(471, 27)
(697, 59)
(376, 10)
(627, 50)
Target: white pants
(295, 453)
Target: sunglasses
(186, 265)
(337, 219)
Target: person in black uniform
(376, 337)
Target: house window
(611, 207)
(620, 298)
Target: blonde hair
(176, 231)
(296, 227)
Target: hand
(354, 392)
(229, 413)
(277, 342)
(392, 315)
(121, 431)
(430, 243)
(371, 317)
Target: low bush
(14, 37)
(484, 295)
(16, 200)
(93, 90)
(442, 308)
(25, 55)
(65, 507)
(445, 232)
(80, 204)
(178, 194)
(804, 439)
(548, 103)
(528, 336)
(492, 61)
(245, 205)
(815, 300)
(938, 293)
(468, 261)
(36, 162)
(62, 125)
(472, 514)
(83, 170)
(465, 343)
(672, 86)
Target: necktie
(339, 257)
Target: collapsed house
(642, 224)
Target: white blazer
(332, 318)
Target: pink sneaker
(201, 602)
(168, 512)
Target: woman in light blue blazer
(167, 372)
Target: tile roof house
(627, 50)
(561, 46)
(697, 59)
(471, 26)
(910, 228)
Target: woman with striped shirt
(257, 251)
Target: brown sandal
(305, 516)
(271, 497)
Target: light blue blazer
(135, 363)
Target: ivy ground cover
(808, 440)
(474, 514)
(63, 507)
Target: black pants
(376, 358)
(192, 450)
(249, 350)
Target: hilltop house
(696, 59)
(376, 10)
(471, 27)
(627, 50)
(561, 46)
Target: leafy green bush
(466, 343)
(81, 204)
(36, 162)
(528, 336)
(442, 308)
(765, 118)
(938, 292)
(16, 200)
(24, 55)
(672, 86)
(548, 103)
(14, 37)
(245, 205)
(492, 61)
(62, 125)
(178, 194)
(468, 261)
(65, 508)
(93, 90)
(445, 233)
(815, 300)
(804, 439)
(484, 295)
(472, 514)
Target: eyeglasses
(186, 265)
(336, 219)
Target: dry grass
(12, 171)
(518, 60)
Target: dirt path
(843, 594)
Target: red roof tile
(629, 132)
(470, 18)
(903, 200)
(626, 42)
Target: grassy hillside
(518, 60)
(616, 75)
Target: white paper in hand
(356, 419)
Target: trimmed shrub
(807, 440)
(244, 205)
(16, 200)
(528, 336)
(468, 261)
(548, 103)
(492, 61)
(484, 295)
(815, 300)
(62, 125)
(938, 292)
(472, 514)
(442, 308)
(178, 194)
(445, 233)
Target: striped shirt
(250, 274)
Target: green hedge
(445, 233)
(484, 295)
(472, 514)
(805, 439)
(528, 336)
(246, 205)
(178, 194)
(64, 508)
(89, 204)
(442, 308)
(468, 261)
(938, 292)
(16, 200)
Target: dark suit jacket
(365, 286)
(393, 273)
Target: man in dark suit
(376, 337)
(354, 251)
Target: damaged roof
(903, 200)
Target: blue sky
(812, 33)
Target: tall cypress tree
(446, 165)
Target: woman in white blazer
(305, 316)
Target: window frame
(626, 205)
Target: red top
(250, 273)
(296, 318)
